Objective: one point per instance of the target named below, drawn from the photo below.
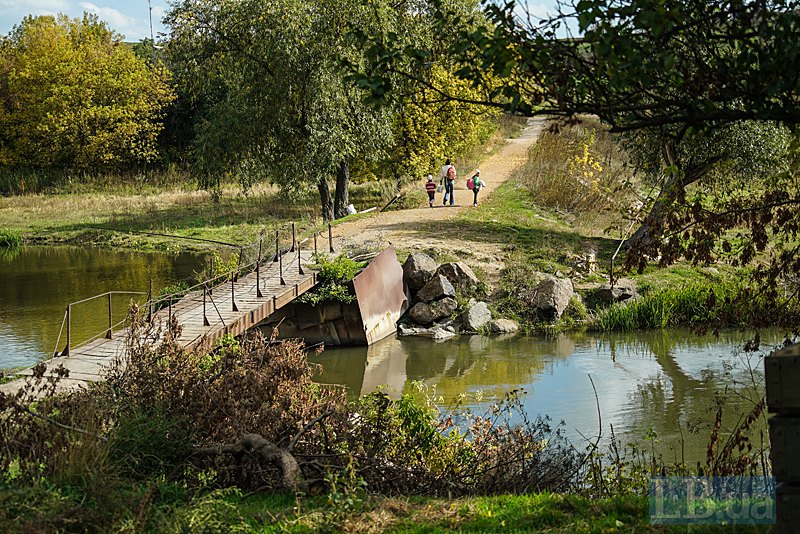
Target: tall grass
(9, 238)
(707, 304)
(578, 169)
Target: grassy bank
(168, 509)
(118, 211)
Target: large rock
(623, 290)
(459, 275)
(425, 314)
(418, 269)
(551, 296)
(444, 308)
(476, 317)
(503, 326)
(437, 287)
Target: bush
(333, 275)
(578, 169)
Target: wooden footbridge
(230, 303)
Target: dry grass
(579, 170)
(93, 217)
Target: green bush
(333, 275)
(147, 442)
(9, 238)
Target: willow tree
(72, 95)
(268, 81)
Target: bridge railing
(152, 305)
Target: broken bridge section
(380, 301)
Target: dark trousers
(475, 195)
(431, 194)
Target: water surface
(37, 283)
(665, 384)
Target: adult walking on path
(448, 176)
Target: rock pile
(433, 289)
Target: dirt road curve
(410, 228)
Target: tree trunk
(652, 227)
(325, 199)
(342, 198)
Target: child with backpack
(475, 183)
(430, 187)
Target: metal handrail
(184, 293)
(106, 294)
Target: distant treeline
(240, 91)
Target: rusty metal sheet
(380, 294)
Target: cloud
(131, 27)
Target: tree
(679, 72)
(73, 96)
(274, 105)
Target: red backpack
(451, 173)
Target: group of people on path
(447, 181)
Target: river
(661, 384)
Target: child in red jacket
(430, 187)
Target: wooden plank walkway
(87, 363)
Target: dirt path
(404, 230)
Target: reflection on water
(667, 382)
(36, 284)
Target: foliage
(267, 83)
(333, 274)
(74, 97)
(427, 133)
(579, 169)
(9, 238)
(688, 78)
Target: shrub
(333, 275)
(578, 169)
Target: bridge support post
(233, 296)
(205, 317)
(110, 323)
(258, 272)
(280, 269)
(69, 330)
(315, 243)
(210, 289)
(330, 237)
(299, 266)
(294, 239)
(277, 246)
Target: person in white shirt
(448, 178)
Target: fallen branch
(306, 428)
(291, 476)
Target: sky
(130, 18)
